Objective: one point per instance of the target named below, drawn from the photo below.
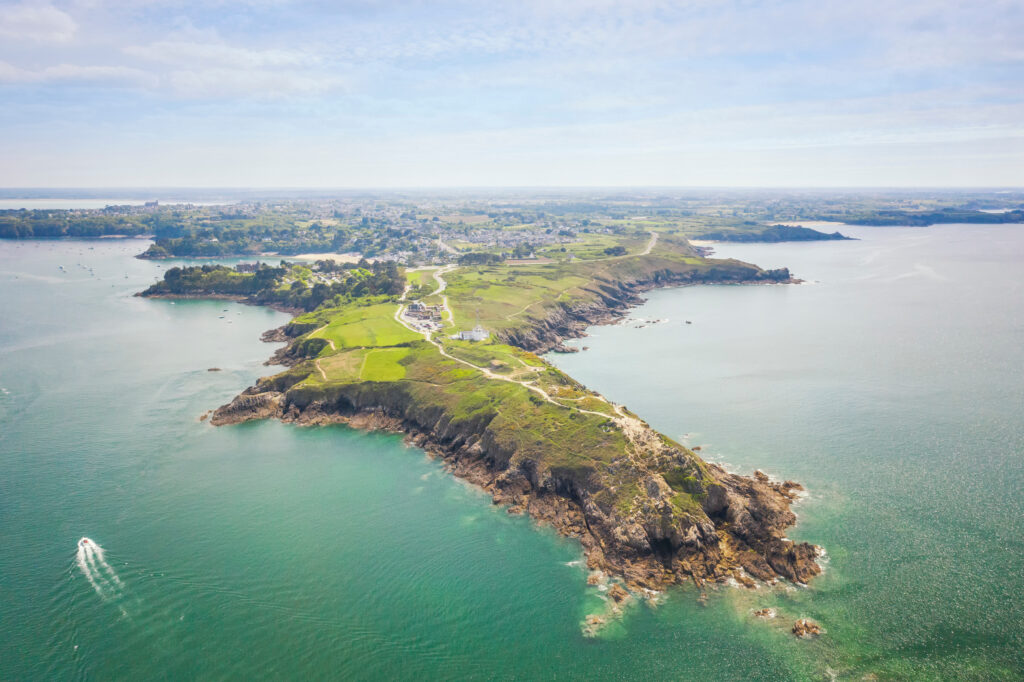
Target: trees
(261, 282)
(479, 258)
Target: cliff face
(610, 300)
(658, 537)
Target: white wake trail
(102, 562)
(98, 572)
(82, 559)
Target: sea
(890, 383)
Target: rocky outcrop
(277, 335)
(757, 513)
(806, 628)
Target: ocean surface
(890, 384)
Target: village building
(418, 310)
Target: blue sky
(275, 93)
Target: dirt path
(521, 310)
(650, 244)
(329, 341)
(441, 285)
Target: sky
(528, 93)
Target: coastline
(735, 534)
(571, 321)
(743, 540)
(246, 300)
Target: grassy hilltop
(345, 349)
(644, 507)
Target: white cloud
(202, 65)
(71, 73)
(212, 54)
(571, 91)
(37, 22)
(263, 84)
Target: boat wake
(98, 572)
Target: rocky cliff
(643, 507)
(681, 519)
(606, 301)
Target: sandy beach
(336, 257)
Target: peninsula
(380, 348)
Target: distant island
(944, 216)
(647, 510)
(774, 233)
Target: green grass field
(383, 364)
(422, 278)
(502, 293)
(365, 327)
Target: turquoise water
(892, 388)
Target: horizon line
(382, 188)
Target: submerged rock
(806, 628)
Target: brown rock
(618, 593)
(744, 580)
(764, 613)
(805, 627)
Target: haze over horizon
(378, 95)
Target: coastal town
(476, 228)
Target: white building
(477, 333)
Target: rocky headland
(653, 515)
